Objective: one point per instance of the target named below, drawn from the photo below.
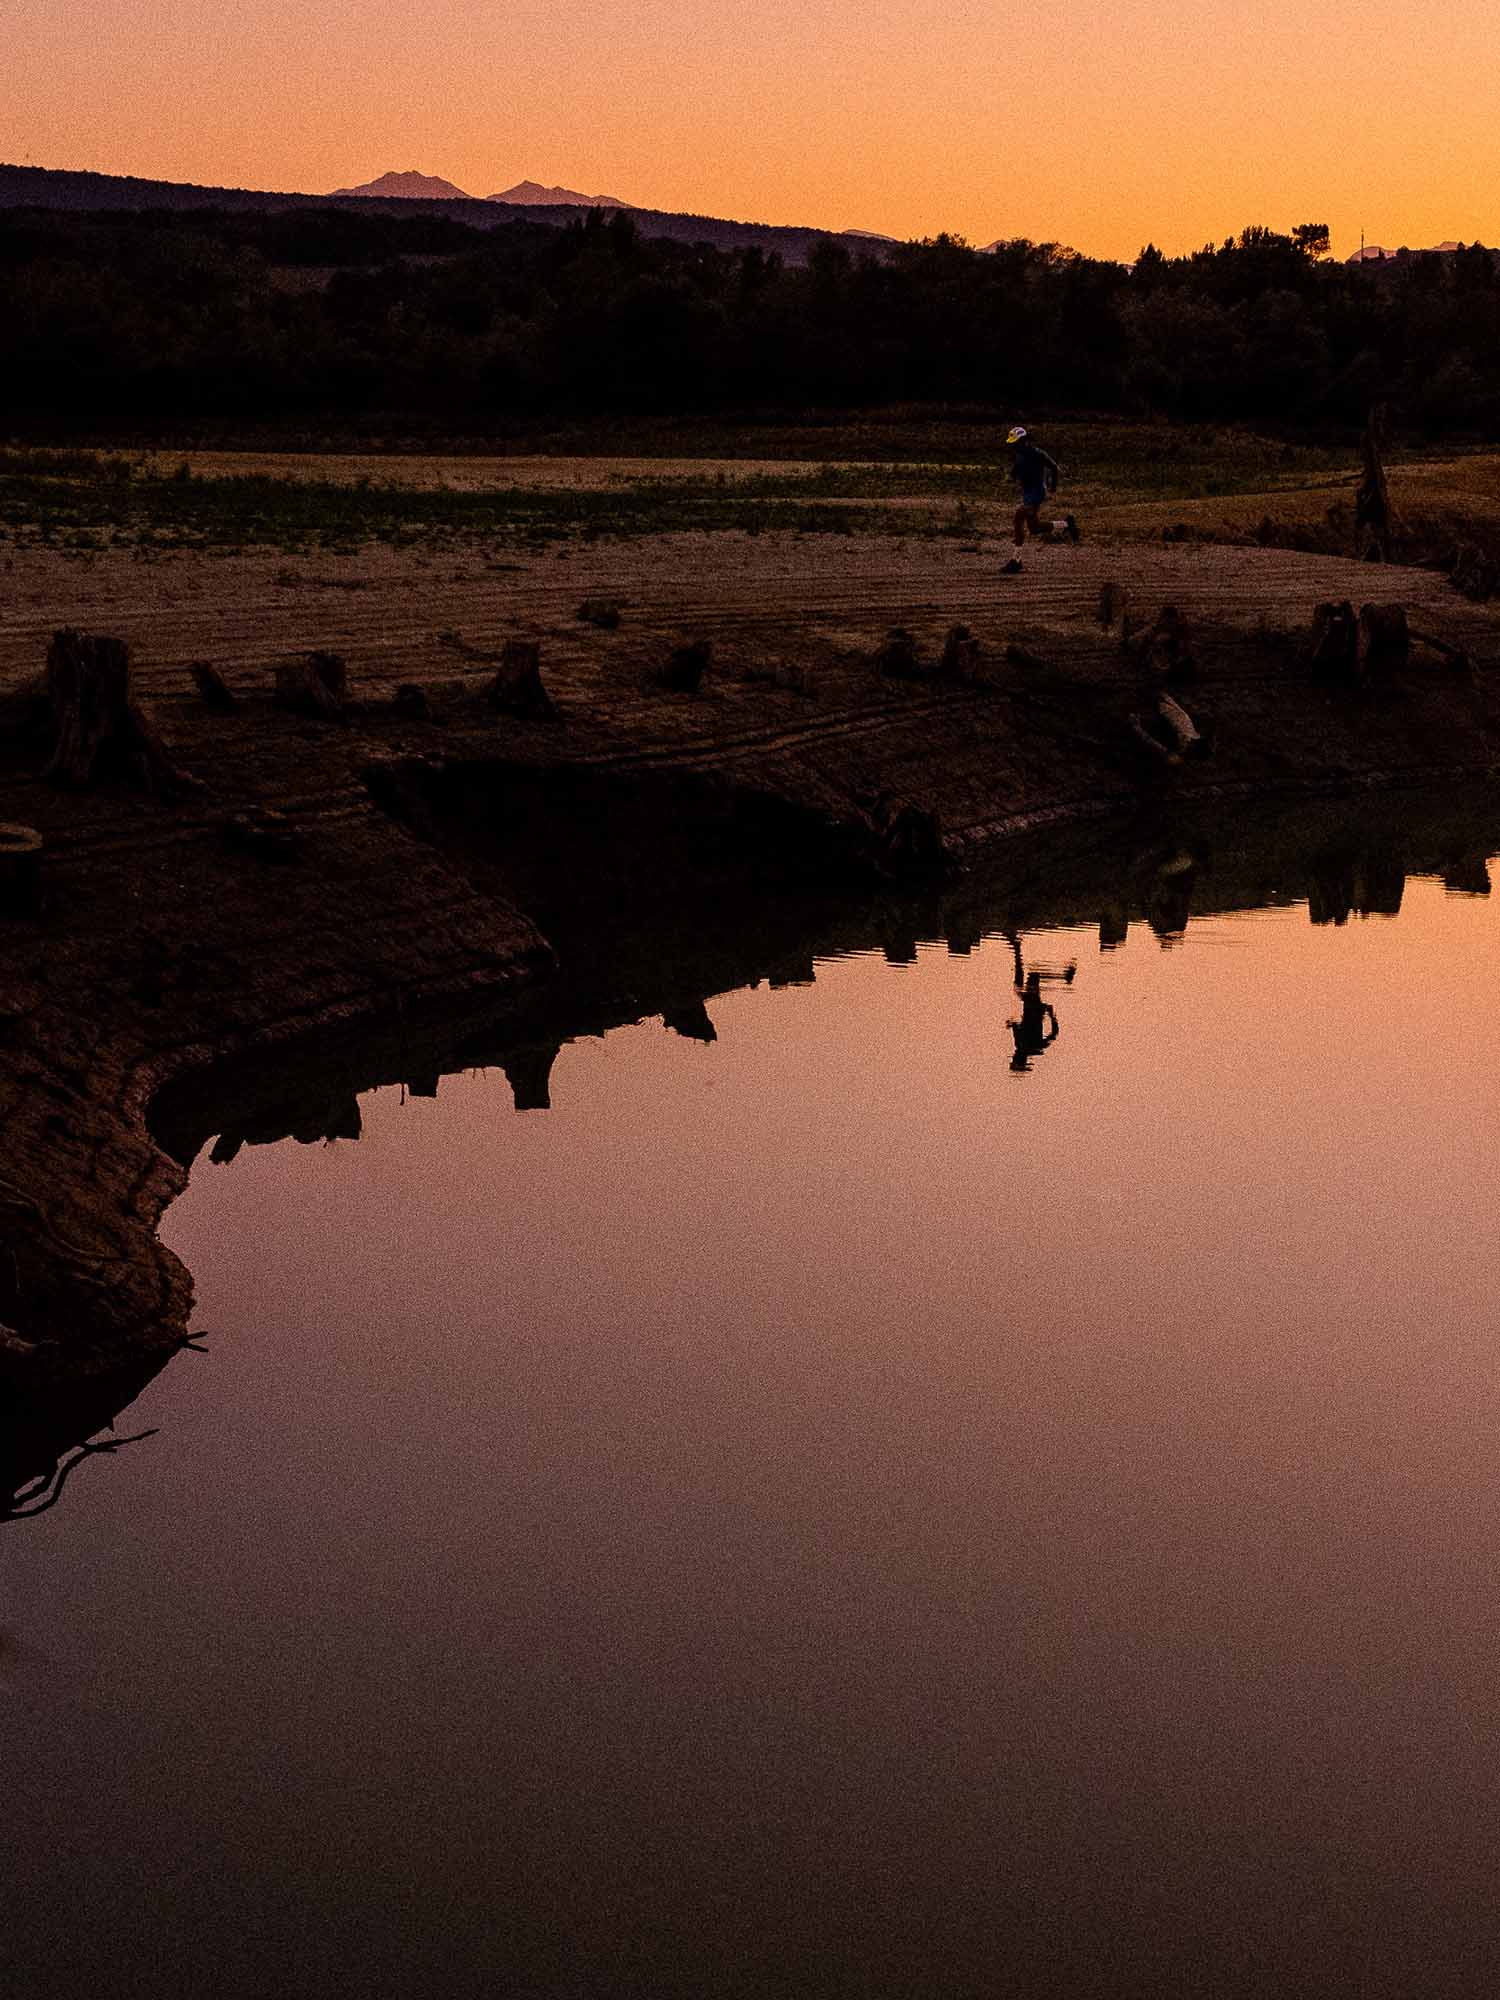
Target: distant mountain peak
(531, 194)
(410, 186)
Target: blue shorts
(1030, 499)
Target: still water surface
(820, 1513)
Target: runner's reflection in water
(1037, 1028)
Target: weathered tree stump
(517, 686)
(316, 686)
(899, 659)
(20, 870)
(1335, 641)
(600, 611)
(1384, 643)
(410, 703)
(1113, 599)
(100, 732)
(215, 691)
(1474, 573)
(908, 835)
(685, 667)
(1167, 649)
(962, 656)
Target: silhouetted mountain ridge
(531, 194)
(60, 188)
(407, 186)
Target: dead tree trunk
(100, 731)
(1372, 500)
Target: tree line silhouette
(326, 314)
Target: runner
(1037, 474)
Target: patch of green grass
(292, 515)
(81, 499)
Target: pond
(979, 1479)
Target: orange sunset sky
(1098, 125)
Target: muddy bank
(423, 880)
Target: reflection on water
(841, 1504)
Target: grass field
(1130, 482)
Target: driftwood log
(1157, 746)
(100, 732)
(1184, 730)
(1453, 657)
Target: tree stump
(962, 657)
(907, 835)
(517, 686)
(600, 611)
(686, 666)
(215, 691)
(899, 658)
(1474, 573)
(313, 686)
(1384, 643)
(100, 731)
(411, 704)
(1167, 650)
(1335, 641)
(20, 870)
